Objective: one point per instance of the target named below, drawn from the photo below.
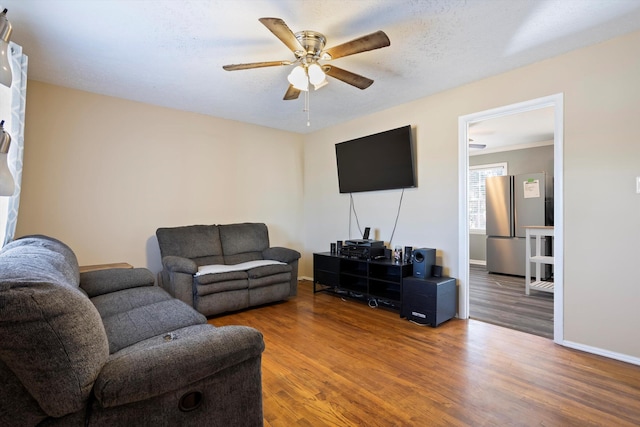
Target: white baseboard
(602, 352)
(477, 262)
(305, 278)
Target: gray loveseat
(109, 348)
(220, 268)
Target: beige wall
(102, 174)
(601, 86)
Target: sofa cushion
(128, 299)
(244, 237)
(208, 260)
(273, 279)
(141, 323)
(244, 266)
(219, 278)
(267, 294)
(269, 270)
(191, 241)
(224, 286)
(42, 311)
(221, 302)
(206, 279)
(243, 257)
(100, 282)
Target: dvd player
(363, 248)
(363, 252)
(364, 243)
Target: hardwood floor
(330, 362)
(500, 299)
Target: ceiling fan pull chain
(306, 107)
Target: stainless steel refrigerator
(513, 202)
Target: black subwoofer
(423, 261)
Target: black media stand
(378, 281)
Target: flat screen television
(383, 161)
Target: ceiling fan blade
(353, 79)
(234, 67)
(362, 44)
(478, 146)
(278, 27)
(292, 93)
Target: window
(477, 194)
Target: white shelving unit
(538, 259)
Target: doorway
(464, 122)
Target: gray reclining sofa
(109, 348)
(221, 268)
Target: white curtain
(14, 124)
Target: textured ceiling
(170, 53)
(521, 130)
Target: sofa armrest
(281, 254)
(291, 257)
(177, 264)
(157, 365)
(177, 277)
(101, 282)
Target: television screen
(382, 161)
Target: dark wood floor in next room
(330, 362)
(501, 299)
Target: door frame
(556, 101)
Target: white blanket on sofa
(222, 268)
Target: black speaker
(436, 271)
(408, 254)
(365, 236)
(423, 261)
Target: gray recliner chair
(221, 268)
(109, 348)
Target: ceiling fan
(476, 145)
(308, 48)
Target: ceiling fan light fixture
(298, 78)
(321, 84)
(308, 48)
(5, 35)
(316, 76)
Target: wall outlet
(638, 184)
